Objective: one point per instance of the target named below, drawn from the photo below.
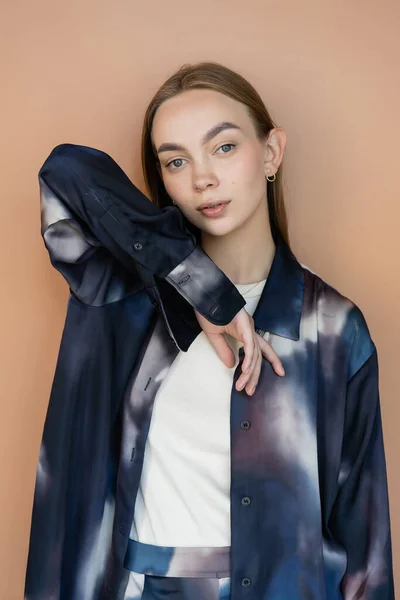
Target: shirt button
(121, 529)
(184, 280)
(245, 424)
(138, 246)
(246, 500)
(246, 582)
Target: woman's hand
(242, 329)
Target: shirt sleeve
(360, 519)
(108, 239)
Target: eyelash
(167, 166)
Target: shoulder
(339, 317)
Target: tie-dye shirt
(187, 460)
(308, 498)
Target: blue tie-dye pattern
(148, 562)
(225, 589)
(311, 456)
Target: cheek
(177, 189)
(249, 171)
(247, 185)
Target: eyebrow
(211, 133)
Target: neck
(245, 255)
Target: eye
(175, 166)
(229, 146)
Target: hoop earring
(267, 177)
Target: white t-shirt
(184, 493)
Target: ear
(274, 148)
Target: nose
(204, 177)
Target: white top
(184, 493)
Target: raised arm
(108, 239)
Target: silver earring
(267, 177)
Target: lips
(213, 209)
(211, 204)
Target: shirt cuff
(206, 288)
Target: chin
(218, 227)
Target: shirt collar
(280, 306)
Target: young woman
(176, 463)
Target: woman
(164, 471)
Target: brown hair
(212, 76)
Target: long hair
(212, 76)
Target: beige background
(83, 72)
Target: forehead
(190, 114)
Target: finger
(222, 348)
(252, 383)
(271, 355)
(245, 377)
(248, 346)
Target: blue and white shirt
(308, 491)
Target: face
(209, 154)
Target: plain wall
(84, 71)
